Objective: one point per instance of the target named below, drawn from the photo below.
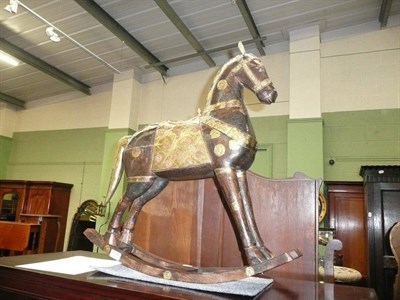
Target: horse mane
(220, 72)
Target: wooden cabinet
(382, 198)
(188, 223)
(347, 216)
(40, 201)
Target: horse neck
(226, 94)
(225, 87)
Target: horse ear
(241, 48)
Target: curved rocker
(220, 143)
(152, 265)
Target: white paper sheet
(72, 265)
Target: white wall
(8, 119)
(361, 72)
(180, 97)
(80, 112)
(176, 99)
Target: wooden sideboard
(41, 202)
(187, 223)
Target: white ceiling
(213, 23)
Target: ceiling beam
(172, 15)
(213, 50)
(251, 25)
(43, 66)
(12, 100)
(107, 21)
(385, 12)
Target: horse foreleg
(137, 205)
(228, 181)
(248, 208)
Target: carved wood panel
(188, 223)
(167, 225)
(286, 215)
(38, 201)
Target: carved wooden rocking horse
(220, 143)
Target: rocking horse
(220, 143)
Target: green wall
(353, 139)
(110, 149)
(305, 144)
(271, 133)
(71, 156)
(83, 157)
(5, 149)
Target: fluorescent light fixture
(52, 34)
(8, 59)
(12, 7)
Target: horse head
(253, 75)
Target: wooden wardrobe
(382, 199)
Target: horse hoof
(266, 252)
(128, 248)
(126, 237)
(111, 237)
(256, 255)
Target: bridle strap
(233, 103)
(258, 85)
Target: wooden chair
(331, 273)
(330, 249)
(394, 238)
(15, 237)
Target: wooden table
(18, 236)
(49, 235)
(17, 283)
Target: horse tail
(117, 169)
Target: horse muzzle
(267, 96)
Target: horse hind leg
(133, 191)
(113, 232)
(127, 233)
